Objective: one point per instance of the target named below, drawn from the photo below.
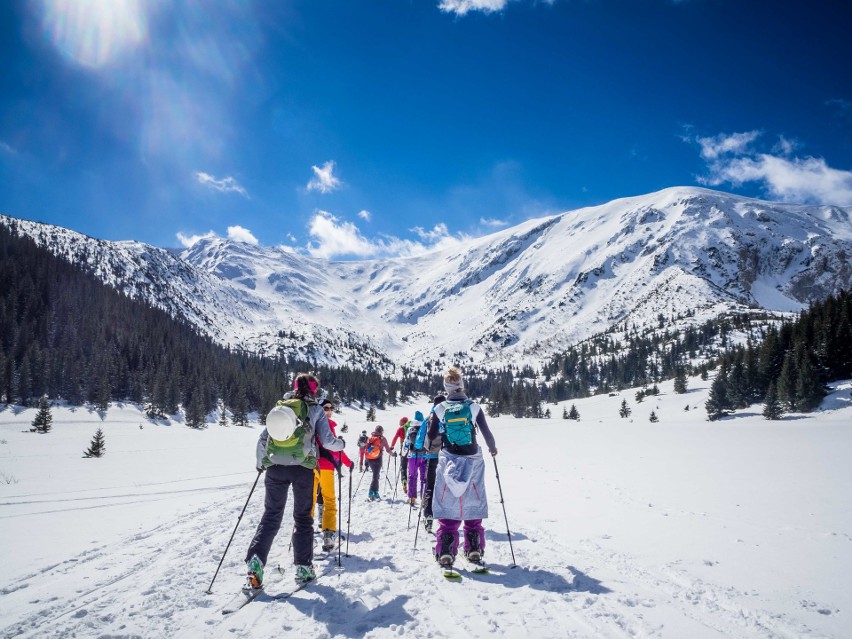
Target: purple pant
(416, 466)
(451, 526)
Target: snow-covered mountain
(679, 255)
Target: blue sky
(384, 127)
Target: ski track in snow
(153, 584)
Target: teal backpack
(457, 424)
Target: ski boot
(473, 549)
(254, 570)
(327, 540)
(412, 501)
(427, 524)
(445, 555)
(304, 574)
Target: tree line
(65, 334)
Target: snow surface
(620, 528)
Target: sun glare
(94, 33)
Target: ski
(450, 573)
(297, 586)
(476, 567)
(243, 598)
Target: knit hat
(403, 421)
(418, 416)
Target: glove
(493, 452)
(393, 454)
(259, 469)
(351, 466)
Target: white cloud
(225, 185)
(240, 234)
(8, 148)
(808, 180)
(189, 240)
(463, 7)
(491, 223)
(365, 215)
(785, 146)
(731, 159)
(438, 232)
(324, 179)
(726, 144)
(333, 237)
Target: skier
(327, 463)
(416, 461)
(373, 453)
(433, 448)
(459, 481)
(287, 451)
(362, 445)
(401, 432)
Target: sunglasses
(328, 409)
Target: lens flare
(94, 33)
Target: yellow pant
(325, 480)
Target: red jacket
(325, 464)
(400, 434)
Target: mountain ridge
(682, 254)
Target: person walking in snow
(327, 463)
(287, 450)
(433, 449)
(376, 443)
(401, 432)
(416, 461)
(459, 481)
(362, 445)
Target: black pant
(277, 482)
(375, 465)
(431, 471)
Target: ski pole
(395, 477)
(363, 472)
(339, 510)
(209, 591)
(387, 471)
(349, 513)
(503, 503)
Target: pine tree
(43, 421)
(371, 414)
(809, 392)
(574, 413)
(772, 408)
(653, 417)
(97, 448)
(625, 409)
(680, 381)
(547, 413)
(565, 412)
(787, 383)
(717, 402)
(223, 414)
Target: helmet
(403, 421)
(379, 430)
(363, 432)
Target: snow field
(620, 528)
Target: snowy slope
(681, 255)
(684, 528)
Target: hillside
(665, 260)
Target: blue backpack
(457, 424)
